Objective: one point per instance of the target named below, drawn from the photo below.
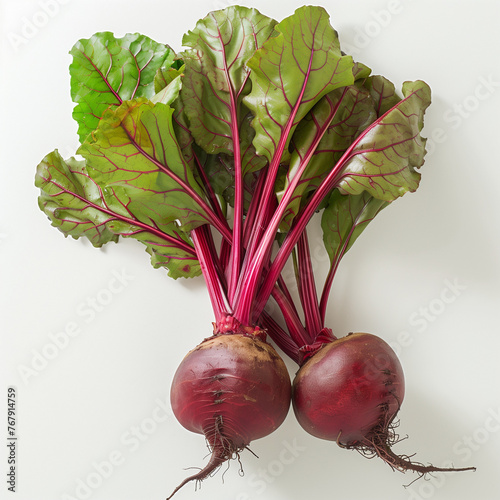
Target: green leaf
(107, 71)
(168, 82)
(383, 93)
(384, 158)
(75, 205)
(345, 112)
(179, 262)
(344, 219)
(165, 75)
(170, 93)
(216, 80)
(360, 71)
(135, 158)
(183, 135)
(292, 72)
(71, 200)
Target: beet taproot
(350, 391)
(233, 389)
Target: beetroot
(350, 391)
(233, 389)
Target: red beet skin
(349, 388)
(232, 389)
(350, 392)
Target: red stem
(280, 337)
(284, 289)
(307, 212)
(212, 197)
(236, 248)
(268, 192)
(255, 202)
(294, 235)
(297, 332)
(207, 259)
(331, 273)
(271, 207)
(250, 279)
(307, 287)
(217, 262)
(326, 290)
(224, 254)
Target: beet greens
(217, 158)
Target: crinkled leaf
(165, 75)
(135, 158)
(383, 93)
(344, 219)
(216, 79)
(75, 205)
(107, 71)
(346, 216)
(170, 93)
(173, 76)
(360, 71)
(345, 112)
(292, 72)
(179, 262)
(71, 200)
(384, 158)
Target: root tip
(216, 460)
(380, 443)
(222, 451)
(381, 446)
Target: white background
(93, 420)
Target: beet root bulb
(350, 391)
(233, 389)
